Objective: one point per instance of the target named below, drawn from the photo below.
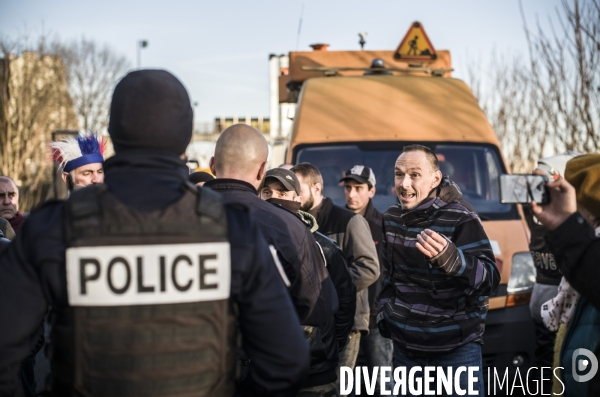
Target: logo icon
(289, 177)
(581, 364)
(357, 169)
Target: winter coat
(342, 280)
(311, 288)
(325, 353)
(439, 304)
(351, 232)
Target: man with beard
(9, 203)
(439, 270)
(80, 160)
(282, 188)
(351, 232)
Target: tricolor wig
(76, 151)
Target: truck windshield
(476, 168)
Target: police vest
(149, 311)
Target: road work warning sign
(415, 46)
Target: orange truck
(354, 110)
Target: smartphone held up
(523, 189)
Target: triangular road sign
(415, 46)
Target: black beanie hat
(150, 109)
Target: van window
(476, 168)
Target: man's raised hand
(431, 243)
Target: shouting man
(439, 270)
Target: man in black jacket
(351, 232)
(359, 189)
(124, 350)
(282, 188)
(239, 165)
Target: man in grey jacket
(351, 231)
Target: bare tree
(565, 69)
(92, 72)
(509, 99)
(550, 103)
(33, 102)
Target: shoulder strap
(83, 202)
(209, 203)
(83, 209)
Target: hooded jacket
(439, 304)
(324, 360)
(342, 280)
(351, 232)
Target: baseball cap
(286, 177)
(361, 174)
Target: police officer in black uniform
(148, 275)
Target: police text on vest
(148, 274)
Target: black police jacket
(33, 276)
(311, 288)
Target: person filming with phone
(572, 216)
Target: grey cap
(361, 174)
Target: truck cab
(349, 112)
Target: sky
(220, 49)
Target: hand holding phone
(523, 189)
(563, 204)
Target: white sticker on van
(148, 274)
(495, 247)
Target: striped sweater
(436, 305)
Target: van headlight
(522, 274)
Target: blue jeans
(468, 355)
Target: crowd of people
(250, 281)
